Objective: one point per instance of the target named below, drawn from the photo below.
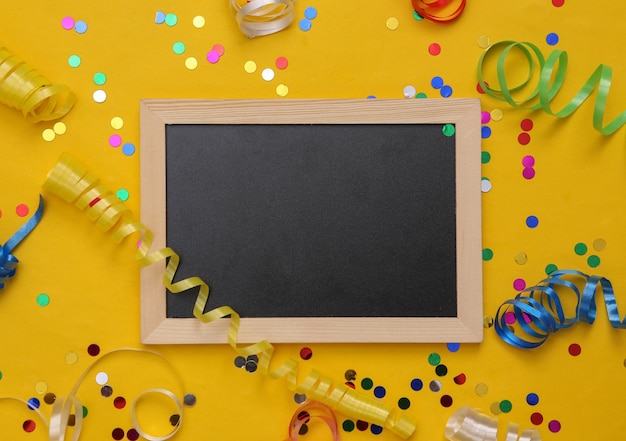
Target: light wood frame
(157, 328)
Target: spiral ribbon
(8, 262)
(313, 409)
(437, 10)
(541, 312)
(468, 424)
(262, 17)
(24, 88)
(551, 78)
(71, 182)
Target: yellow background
(577, 194)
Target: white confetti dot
(268, 74)
(102, 378)
(485, 185)
(409, 91)
(99, 96)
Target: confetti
(392, 23)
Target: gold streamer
(262, 17)
(70, 181)
(468, 424)
(23, 88)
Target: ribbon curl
(541, 312)
(437, 10)
(551, 78)
(312, 409)
(468, 424)
(23, 88)
(262, 17)
(8, 262)
(71, 182)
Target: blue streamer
(8, 262)
(539, 310)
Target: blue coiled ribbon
(539, 310)
(8, 261)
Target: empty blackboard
(316, 220)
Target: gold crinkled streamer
(70, 181)
(467, 424)
(24, 88)
(262, 17)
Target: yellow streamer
(71, 182)
(468, 424)
(262, 17)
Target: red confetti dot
(29, 426)
(306, 353)
(558, 3)
(536, 418)
(479, 88)
(362, 425)
(281, 63)
(132, 435)
(460, 379)
(119, 402)
(574, 349)
(219, 49)
(523, 138)
(93, 350)
(117, 433)
(527, 125)
(434, 49)
(94, 202)
(0, 213)
(350, 384)
(446, 401)
(304, 416)
(21, 210)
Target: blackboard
(316, 220)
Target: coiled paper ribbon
(24, 88)
(262, 17)
(71, 182)
(467, 424)
(8, 262)
(541, 312)
(62, 408)
(551, 78)
(313, 409)
(437, 10)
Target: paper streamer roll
(8, 262)
(551, 78)
(24, 88)
(438, 11)
(313, 409)
(467, 424)
(70, 181)
(262, 17)
(539, 310)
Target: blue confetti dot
(128, 149)
(453, 347)
(532, 221)
(33, 403)
(371, 97)
(552, 39)
(80, 27)
(376, 429)
(485, 132)
(532, 399)
(305, 24)
(379, 392)
(310, 12)
(417, 384)
(159, 18)
(446, 91)
(436, 82)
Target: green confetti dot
(593, 261)
(348, 425)
(367, 383)
(580, 249)
(417, 17)
(99, 78)
(404, 403)
(485, 157)
(178, 47)
(550, 268)
(74, 61)
(506, 406)
(43, 300)
(434, 359)
(487, 254)
(448, 129)
(0, 375)
(122, 194)
(171, 19)
(421, 95)
(85, 412)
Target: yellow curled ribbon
(71, 182)
(551, 78)
(23, 88)
(262, 17)
(468, 424)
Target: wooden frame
(157, 328)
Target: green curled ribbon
(551, 78)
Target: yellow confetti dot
(71, 357)
(497, 115)
(481, 389)
(250, 66)
(483, 41)
(521, 258)
(495, 408)
(41, 387)
(117, 122)
(60, 128)
(282, 90)
(198, 21)
(48, 135)
(599, 244)
(191, 63)
(392, 23)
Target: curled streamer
(468, 424)
(8, 262)
(438, 11)
(539, 310)
(551, 78)
(24, 88)
(312, 409)
(262, 17)
(70, 181)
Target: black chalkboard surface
(316, 220)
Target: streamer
(551, 78)
(437, 10)
(24, 88)
(262, 17)
(71, 182)
(8, 262)
(468, 424)
(541, 312)
(313, 409)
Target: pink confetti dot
(213, 57)
(528, 161)
(219, 49)
(485, 117)
(22, 210)
(509, 318)
(115, 140)
(519, 284)
(528, 173)
(67, 23)
(281, 63)
(554, 426)
(434, 49)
